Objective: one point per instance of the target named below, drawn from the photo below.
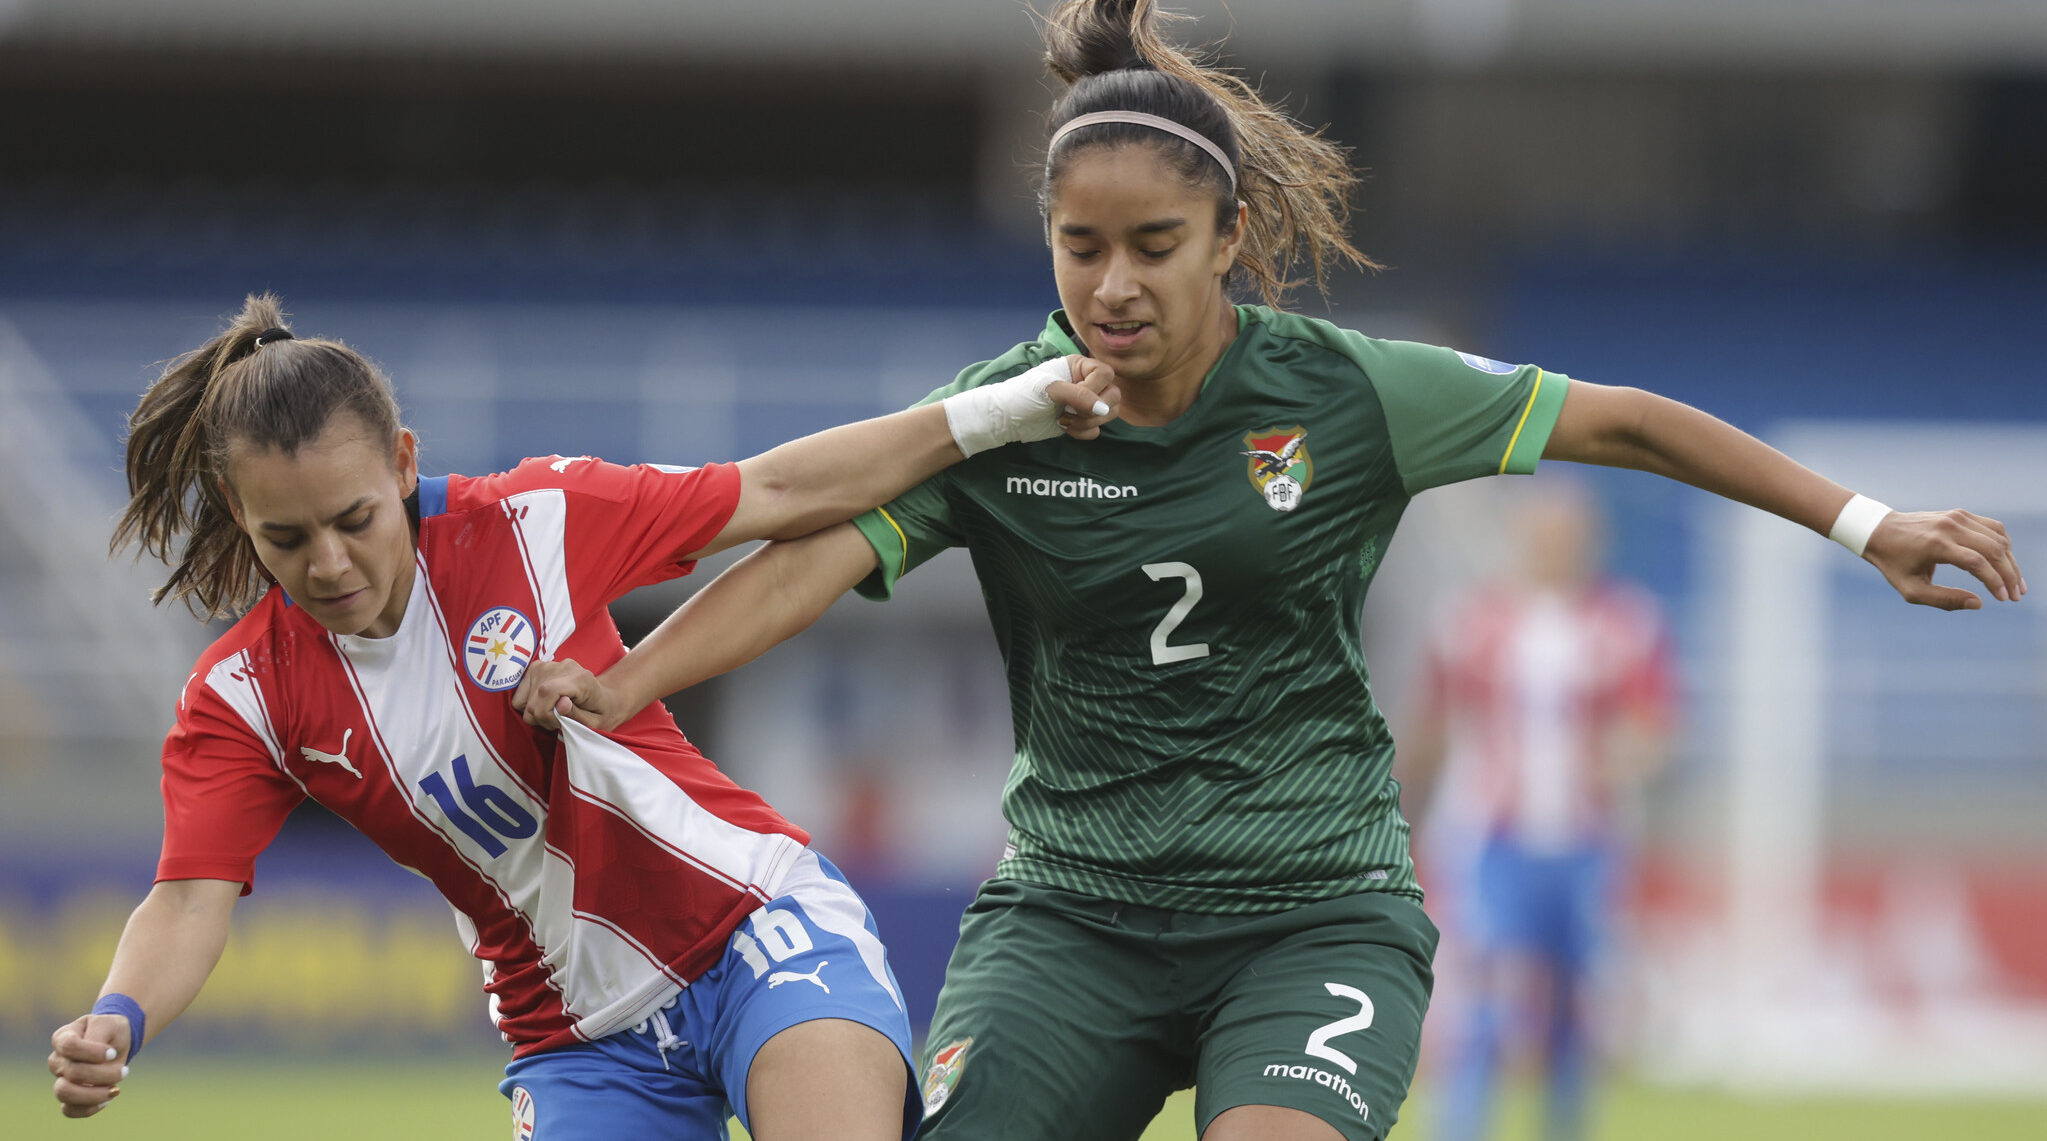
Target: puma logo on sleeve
(340, 758)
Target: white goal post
(1791, 1006)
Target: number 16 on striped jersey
(490, 811)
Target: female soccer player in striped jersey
(1207, 880)
(657, 943)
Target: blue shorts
(1551, 905)
(810, 953)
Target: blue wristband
(123, 1005)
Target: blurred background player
(635, 913)
(1545, 705)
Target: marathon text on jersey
(1082, 488)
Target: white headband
(1156, 123)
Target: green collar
(1059, 336)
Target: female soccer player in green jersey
(1208, 879)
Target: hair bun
(1094, 37)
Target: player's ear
(1229, 242)
(405, 461)
(234, 502)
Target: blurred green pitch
(454, 1099)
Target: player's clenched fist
(1072, 394)
(86, 1058)
(1091, 377)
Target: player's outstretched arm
(1627, 427)
(759, 602)
(829, 477)
(170, 945)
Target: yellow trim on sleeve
(905, 539)
(1511, 440)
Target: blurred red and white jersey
(1533, 685)
(592, 874)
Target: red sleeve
(224, 798)
(630, 526)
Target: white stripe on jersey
(608, 962)
(455, 666)
(230, 678)
(540, 522)
(600, 973)
(406, 690)
(620, 781)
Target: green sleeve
(918, 524)
(904, 532)
(1453, 416)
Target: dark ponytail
(253, 384)
(1296, 184)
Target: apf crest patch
(498, 648)
(944, 1073)
(522, 1114)
(1280, 466)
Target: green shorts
(1065, 1016)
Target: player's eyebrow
(337, 517)
(1076, 230)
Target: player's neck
(393, 614)
(1160, 399)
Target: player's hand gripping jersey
(1178, 609)
(592, 874)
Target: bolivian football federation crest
(1280, 467)
(944, 1074)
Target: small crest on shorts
(522, 1114)
(498, 648)
(946, 1063)
(1280, 467)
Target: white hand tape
(1013, 411)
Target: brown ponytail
(1296, 184)
(253, 384)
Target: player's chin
(1140, 362)
(351, 614)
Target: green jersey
(1177, 608)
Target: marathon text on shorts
(1323, 1078)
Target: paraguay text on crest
(498, 648)
(1279, 465)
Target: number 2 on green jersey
(1161, 653)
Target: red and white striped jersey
(592, 874)
(1531, 685)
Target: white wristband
(1012, 411)
(1857, 522)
